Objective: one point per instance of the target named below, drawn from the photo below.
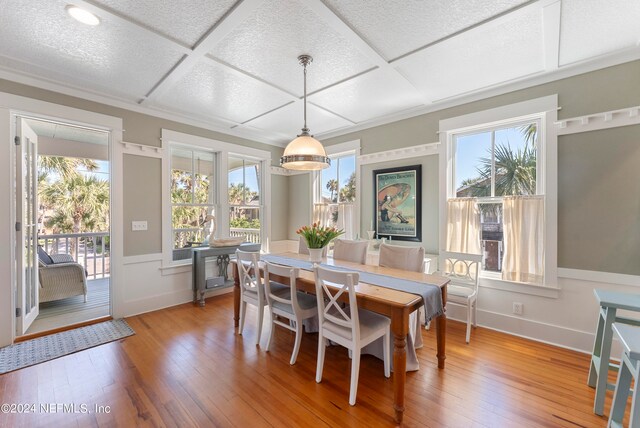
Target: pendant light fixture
(305, 152)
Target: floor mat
(35, 351)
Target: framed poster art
(398, 204)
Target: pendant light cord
(305, 129)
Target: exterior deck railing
(91, 250)
(252, 235)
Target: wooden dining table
(397, 305)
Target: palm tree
(240, 194)
(332, 187)
(530, 133)
(65, 167)
(80, 204)
(348, 192)
(515, 171)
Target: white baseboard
(166, 300)
(562, 337)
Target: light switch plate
(138, 225)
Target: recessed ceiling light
(82, 15)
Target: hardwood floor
(186, 367)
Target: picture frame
(398, 203)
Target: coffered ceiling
(232, 65)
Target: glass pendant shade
(305, 153)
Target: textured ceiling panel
(393, 30)
(288, 121)
(372, 95)
(208, 89)
(268, 43)
(108, 55)
(594, 27)
(184, 20)
(485, 56)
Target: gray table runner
(431, 295)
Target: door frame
(15, 105)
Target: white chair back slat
(331, 285)
(343, 326)
(287, 303)
(251, 289)
(462, 268)
(249, 271)
(291, 274)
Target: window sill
(495, 283)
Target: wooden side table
(221, 280)
(610, 302)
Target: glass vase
(315, 255)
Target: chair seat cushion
(279, 289)
(276, 288)
(370, 322)
(459, 291)
(305, 301)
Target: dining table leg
(399, 329)
(441, 327)
(441, 330)
(236, 296)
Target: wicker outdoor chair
(60, 277)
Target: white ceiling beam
(335, 22)
(243, 74)
(551, 32)
(223, 27)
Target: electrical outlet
(138, 225)
(518, 308)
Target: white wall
(569, 320)
(149, 286)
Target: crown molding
(98, 97)
(621, 57)
(240, 131)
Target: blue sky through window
(345, 166)
(471, 148)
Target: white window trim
(265, 172)
(336, 150)
(546, 108)
(213, 191)
(223, 150)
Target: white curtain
(463, 226)
(322, 214)
(346, 220)
(523, 259)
